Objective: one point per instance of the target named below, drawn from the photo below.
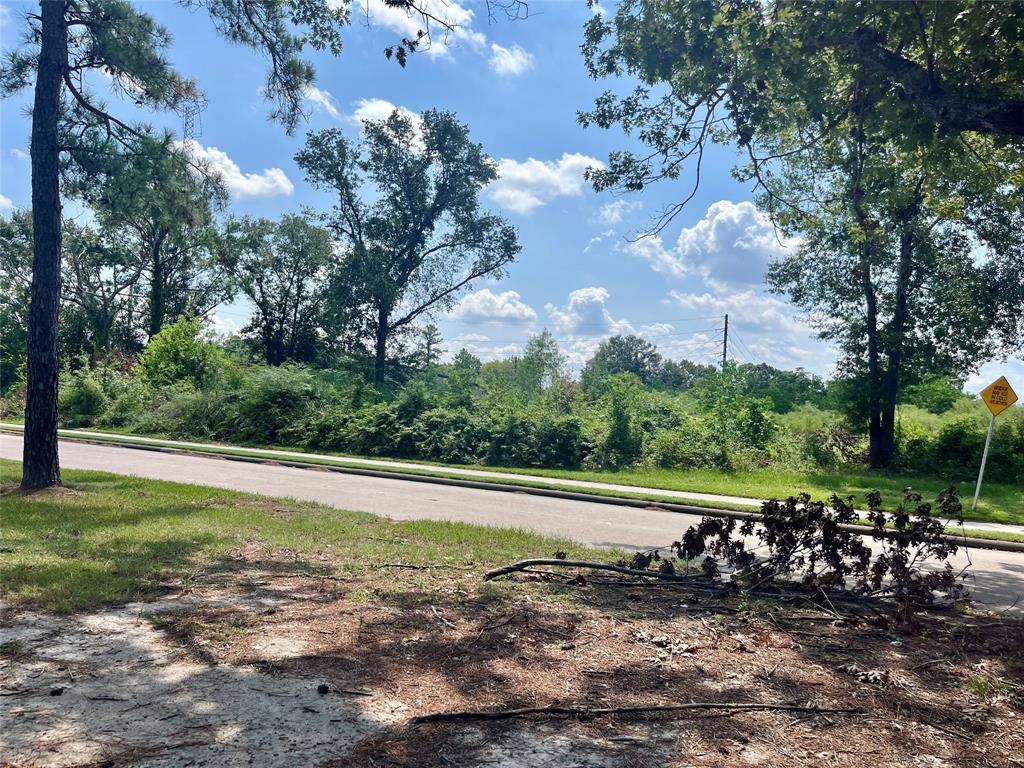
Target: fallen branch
(587, 712)
(522, 565)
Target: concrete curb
(618, 501)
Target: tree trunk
(380, 363)
(891, 384)
(157, 294)
(41, 466)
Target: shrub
(451, 435)
(513, 442)
(690, 446)
(81, 399)
(561, 443)
(182, 354)
(269, 402)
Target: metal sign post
(984, 458)
(997, 396)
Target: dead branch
(587, 712)
(524, 564)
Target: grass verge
(109, 539)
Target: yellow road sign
(999, 395)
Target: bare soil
(268, 660)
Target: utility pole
(725, 343)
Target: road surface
(998, 576)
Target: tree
(622, 354)
(164, 203)
(281, 266)
(874, 168)
(541, 365)
(424, 240)
(681, 375)
(907, 291)
(429, 352)
(66, 40)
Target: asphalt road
(998, 576)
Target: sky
(518, 85)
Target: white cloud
(323, 101)
(731, 245)
(652, 250)
(409, 23)
(271, 183)
(586, 314)
(19, 154)
(512, 61)
(5, 202)
(598, 238)
(482, 347)
(523, 186)
(615, 211)
(376, 110)
(487, 306)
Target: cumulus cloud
(5, 203)
(510, 62)
(523, 186)
(270, 183)
(19, 154)
(407, 23)
(376, 110)
(652, 250)
(486, 306)
(731, 245)
(323, 101)
(585, 313)
(615, 211)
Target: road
(998, 576)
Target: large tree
(423, 240)
(876, 132)
(281, 266)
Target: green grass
(111, 539)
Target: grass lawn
(109, 538)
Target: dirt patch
(273, 661)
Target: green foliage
(421, 242)
(81, 399)
(937, 395)
(182, 354)
(622, 354)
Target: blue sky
(518, 85)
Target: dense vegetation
(630, 408)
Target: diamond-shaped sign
(999, 395)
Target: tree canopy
(423, 240)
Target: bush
(81, 399)
(513, 443)
(451, 435)
(691, 446)
(561, 443)
(270, 401)
(182, 354)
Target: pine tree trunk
(41, 467)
